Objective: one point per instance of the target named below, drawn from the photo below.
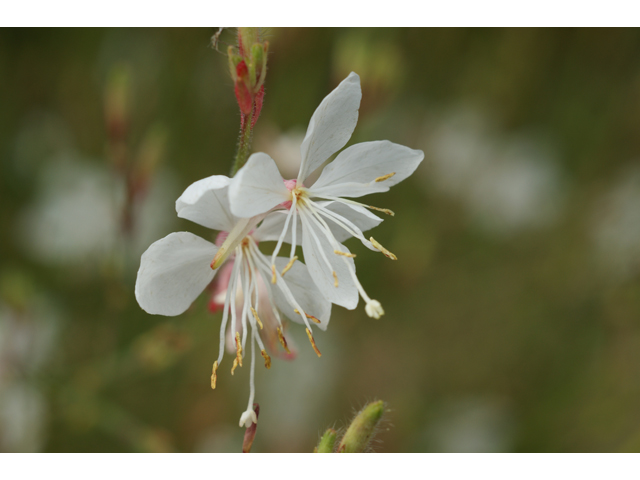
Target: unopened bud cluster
(248, 66)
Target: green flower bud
(327, 442)
(362, 428)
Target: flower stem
(244, 145)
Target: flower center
(297, 191)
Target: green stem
(244, 145)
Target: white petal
(359, 216)
(271, 228)
(257, 187)
(354, 171)
(304, 291)
(346, 293)
(173, 272)
(206, 203)
(331, 125)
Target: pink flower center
(291, 185)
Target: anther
(310, 317)
(289, 265)
(238, 349)
(384, 251)
(235, 364)
(283, 341)
(255, 314)
(273, 274)
(383, 210)
(384, 177)
(267, 358)
(313, 343)
(213, 375)
(344, 254)
(335, 279)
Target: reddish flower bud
(257, 106)
(244, 97)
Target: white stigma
(247, 418)
(374, 309)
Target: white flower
(326, 217)
(176, 269)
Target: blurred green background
(512, 314)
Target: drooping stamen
(294, 231)
(252, 384)
(383, 210)
(213, 375)
(353, 202)
(384, 251)
(238, 349)
(284, 232)
(289, 265)
(282, 285)
(345, 254)
(374, 306)
(310, 317)
(283, 341)
(267, 358)
(313, 343)
(273, 274)
(235, 364)
(255, 315)
(384, 177)
(231, 289)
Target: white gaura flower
(326, 216)
(176, 269)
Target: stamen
(383, 210)
(384, 251)
(255, 315)
(273, 274)
(213, 375)
(345, 254)
(267, 358)
(313, 343)
(238, 349)
(235, 364)
(335, 279)
(384, 177)
(310, 317)
(289, 265)
(283, 341)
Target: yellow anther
(283, 341)
(213, 375)
(335, 279)
(313, 343)
(238, 349)
(289, 265)
(310, 317)
(384, 251)
(344, 254)
(383, 210)
(273, 274)
(235, 364)
(255, 315)
(384, 177)
(267, 359)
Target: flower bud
(327, 441)
(362, 428)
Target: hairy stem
(244, 145)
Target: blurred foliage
(506, 329)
